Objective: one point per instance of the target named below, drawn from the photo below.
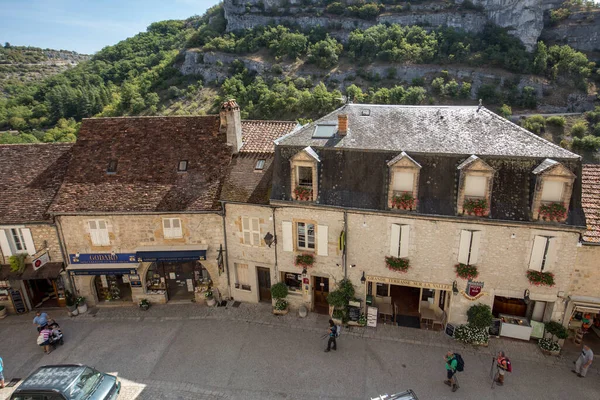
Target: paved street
(192, 352)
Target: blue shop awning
(171, 253)
(103, 269)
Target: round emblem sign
(37, 263)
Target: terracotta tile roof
(590, 200)
(258, 136)
(147, 151)
(30, 176)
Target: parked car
(407, 395)
(68, 382)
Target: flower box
(404, 201)
(549, 347)
(397, 264)
(538, 278)
(465, 271)
(476, 207)
(303, 193)
(305, 260)
(553, 212)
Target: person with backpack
(503, 365)
(333, 331)
(454, 364)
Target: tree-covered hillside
(142, 75)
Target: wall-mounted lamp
(363, 279)
(526, 298)
(304, 272)
(270, 239)
(352, 265)
(455, 287)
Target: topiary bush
(556, 329)
(480, 316)
(279, 291)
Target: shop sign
(103, 258)
(474, 288)
(405, 282)
(40, 261)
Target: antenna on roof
(480, 105)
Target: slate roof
(147, 150)
(30, 176)
(461, 130)
(590, 200)
(258, 136)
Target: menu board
(18, 302)
(372, 317)
(450, 330)
(353, 313)
(495, 327)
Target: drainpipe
(275, 240)
(345, 252)
(63, 250)
(226, 252)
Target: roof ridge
(38, 144)
(270, 121)
(152, 117)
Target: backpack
(460, 363)
(338, 331)
(40, 339)
(508, 365)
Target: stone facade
(40, 233)
(129, 232)
(585, 280)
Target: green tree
(540, 58)
(325, 53)
(505, 111)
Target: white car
(407, 395)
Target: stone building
(30, 176)
(400, 198)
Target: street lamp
(270, 239)
(363, 279)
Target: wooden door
(264, 284)
(321, 291)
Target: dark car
(68, 382)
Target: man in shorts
(451, 365)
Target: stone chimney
(342, 124)
(231, 124)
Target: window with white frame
(552, 191)
(242, 278)
(468, 252)
(403, 181)
(172, 228)
(541, 253)
(251, 231)
(475, 186)
(99, 232)
(305, 234)
(15, 241)
(399, 240)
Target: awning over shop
(103, 269)
(586, 304)
(50, 270)
(171, 253)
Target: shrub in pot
(210, 299)
(144, 304)
(279, 292)
(549, 346)
(470, 334)
(480, 316)
(81, 305)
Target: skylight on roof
(182, 166)
(260, 164)
(324, 131)
(112, 167)
(365, 112)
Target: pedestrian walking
(44, 339)
(1, 373)
(332, 334)
(502, 365)
(451, 367)
(40, 319)
(584, 361)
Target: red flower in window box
(405, 201)
(303, 193)
(305, 260)
(475, 206)
(397, 264)
(553, 211)
(466, 271)
(538, 278)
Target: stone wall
(586, 272)
(41, 233)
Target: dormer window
(404, 178)
(112, 167)
(260, 165)
(475, 187)
(182, 166)
(553, 188)
(304, 175)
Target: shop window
(172, 228)
(251, 231)
(552, 191)
(383, 290)
(427, 294)
(399, 240)
(113, 288)
(305, 236)
(468, 252)
(99, 232)
(292, 281)
(242, 279)
(155, 279)
(543, 247)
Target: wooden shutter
(322, 242)
(103, 233)
(4, 245)
(255, 232)
(28, 239)
(286, 232)
(395, 240)
(550, 255)
(475, 240)
(167, 227)
(242, 274)
(537, 253)
(463, 248)
(404, 241)
(246, 230)
(94, 233)
(176, 231)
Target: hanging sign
(474, 288)
(102, 258)
(40, 261)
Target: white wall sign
(40, 261)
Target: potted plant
(538, 278)
(554, 330)
(305, 260)
(338, 300)
(475, 206)
(71, 303)
(549, 347)
(81, 305)
(2, 312)
(303, 193)
(405, 201)
(476, 331)
(362, 320)
(144, 304)
(210, 299)
(17, 262)
(553, 212)
(465, 271)
(279, 292)
(397, 264)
